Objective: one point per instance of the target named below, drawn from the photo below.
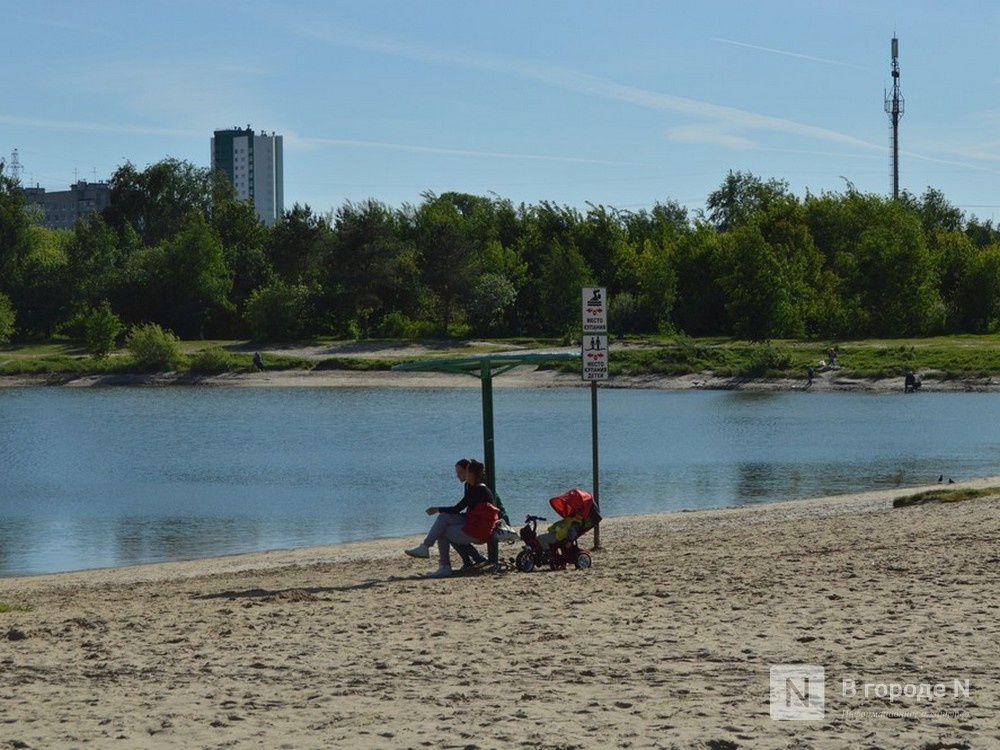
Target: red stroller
(559, 546)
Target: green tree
(196, 279)
(101, 330)
(955, 258)
(446, 255)
(811, 297)
(598, 237)
(279, 312)
(740, 196)
(897, 284)
(624, 314)
(363, 264)
(45, 285)
(934, 210)
(245, 240)
(7, 319)
(758, 297)
(564, 274)
(140, 293)
(491, 297)
(544, 227)
(15, 242)
(700, 307)
(657, 283)
(93, 262)
(300, 244)
(157, 201)
(978, 292)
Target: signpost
(595, 367)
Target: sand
(825, 379)
(667, 641)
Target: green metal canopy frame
(486, 368)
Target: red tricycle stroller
(559, 546)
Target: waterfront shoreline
(667, 641)
(524, 377)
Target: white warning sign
(595, 357)
(595, 310)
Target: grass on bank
(940, 358)
(943, 496)
(5, 607)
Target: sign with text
(595, 357)
(595, 310)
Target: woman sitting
(452, 528)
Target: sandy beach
(667, 641)
(522, 377)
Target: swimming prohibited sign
(595, 333)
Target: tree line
(176, 249)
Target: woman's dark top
(474, 494)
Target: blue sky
(623, 103)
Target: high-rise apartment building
(255, 164)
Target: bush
(765, 359)
(279, 312)
(153, 348)
(214, 361)
(101, 328)
(7, 316)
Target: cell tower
(894, 108)
(15, 167)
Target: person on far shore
(452, 528)
(258, 362)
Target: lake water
(96, 477)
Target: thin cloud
(571, 80)
(709, 135)
(98, 127)
(309, 142)
(786, 53)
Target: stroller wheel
(525, 561)
(583, 560)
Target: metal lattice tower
(15, 167)
(894, 108)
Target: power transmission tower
(15, 167)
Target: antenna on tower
(15, 167)
(894, 108)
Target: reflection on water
(100, 477)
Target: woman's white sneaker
(441, 573)
(419, 551)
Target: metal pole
(593, 432)
(486, 378)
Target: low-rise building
(64, 207)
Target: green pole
(486, 376)
(486, 380)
